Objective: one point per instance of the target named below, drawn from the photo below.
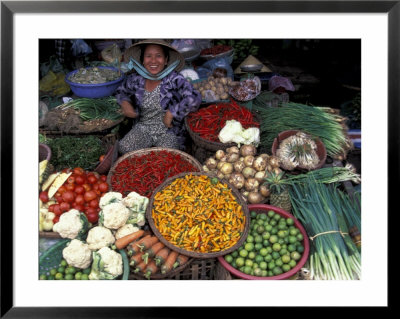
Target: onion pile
(244, 169)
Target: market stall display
(144, 170)
(217, 51)
(276, 246)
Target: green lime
(63, 263)
(228, 258)
(269, 249)
(78, 275)
(243, 253)
(289, 221)
(271, 213)
(268, 258)
(273, 222)
(295, 255)
(277, 270)
(241, 269)
(53, 271)
(258, 246)
(258, 259)
(257, 272)
(43, 277)
(279, 262)
(285, 267)
(248, 262)
(292, 263)
(273, 239)
(263, 216)
(69, 277)
(61, 269)
(260, 229)
(284, 251)
(251, 255)
(277, 217)
(271, 265)
(260, 222)
(253, 214)
(264, 273)
(247, 270)
(265, 235)
(266, 243)
(282, 226)
(239, 261)
(282, 233)
(270, 273)
(299, 236)
(285, 259)
(234, 253)
(276, 247)
(249, 246)
(263, 265)
(59, 276)
(85, 277)
(250, 239)
(281, 241)
(275, 255)
(300, 248)
(268, 228)
(292, 239)
(263, 252)
(291, 247)
(70, 270)
(258, 239)
(293, 232)
(51, 277)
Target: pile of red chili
(217, 49)
(144, 173)
(209, 121)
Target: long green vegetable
(101, 108)
(322, 122)
(319, 207)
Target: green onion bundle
(333, 254)
(101, 108)
(326, 175)
(322, 122)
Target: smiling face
(154, 59)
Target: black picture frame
(9, 8)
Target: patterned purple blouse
(177, 95)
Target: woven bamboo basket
(145, 151)
(199, 255)
(44, 152)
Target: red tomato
(57, 210)
(94, 203)
(56, 219)
(78, 171)
(92, 218)
(65, 207)
(78, 207)
(70, 187)
(68, 196)
(79, 189)
(90, 195)
(103, 178)
(44, 197)
(58, 198)
(66, 170)
(80, 180)
(90, 210)
(79, 199)
(87, 187)
(95, 187)
(103, 187)
(51, 208)
(71, 180)
(61, 189)
(92, 179)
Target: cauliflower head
(77, 254)
(99, 237)
(135, 202)
(108, 198)
(126, 230)
(72, 224)
(114, 215)
(107, 264)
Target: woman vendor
(156, 96)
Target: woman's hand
(128, 109)
(168, 119)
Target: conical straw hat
(251, 60)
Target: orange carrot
(180, 260)
(136, 259)
(124, 241)
(133, 248)
(152, 251)
(161, 256)
(147, 243)
(169, 263)
(140, 267)
(151, 269)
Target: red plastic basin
(264, 208)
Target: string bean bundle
(101, 108)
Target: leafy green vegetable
(71, 151)
(101, 108)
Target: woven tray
(157, 233)
(145, 151)
(52, 257)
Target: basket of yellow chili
(198, 215)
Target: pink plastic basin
(264, 208)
